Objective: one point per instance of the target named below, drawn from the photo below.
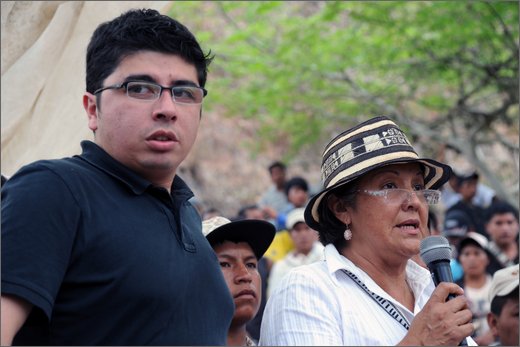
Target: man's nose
(165, 108)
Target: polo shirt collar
(98, 157)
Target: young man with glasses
(104, 248)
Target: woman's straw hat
(372, 144)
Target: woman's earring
(347, 234)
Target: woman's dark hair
(333, 229)
(140, 30)
(433, 222)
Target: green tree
(447, 71)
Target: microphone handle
(441, 272)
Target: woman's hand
(441, 322)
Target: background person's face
(507, 323)
(473, 260)
(303, 238)
(503, 228)
(278, 176)
(297, 196)
(468, 189)
(240, 268)
(254, 213)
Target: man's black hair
(140, 30)
(499, 301)
(242, 212)
(296, 182)
(277, 164)
(499, 207)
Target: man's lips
(162, 136)
(162, 141)
(245, 293)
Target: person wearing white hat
(473, 255)
(307, 248)
(503, 295)
(238, 246)
(371, 215)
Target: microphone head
(435, 248)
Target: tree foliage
(445, 71)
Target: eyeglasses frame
(125, 86)
(384, 193)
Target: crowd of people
(105, 248)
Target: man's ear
(91, 107)
(492, 323)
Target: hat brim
(471, 241)
(435, 175)
(507, 289)
(257, 233)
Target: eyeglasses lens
(426, 196)
(150, 91)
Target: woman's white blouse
(319, 305)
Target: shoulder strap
(382, 302)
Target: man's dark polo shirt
(109, 259)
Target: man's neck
(237, 335)
(509, 249)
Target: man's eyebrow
(226, 256)
(141, 78)
(148, 78)
(184, 83)
(250, 258)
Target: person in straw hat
(371, 216)
(238, 246)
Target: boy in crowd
(239, 245)
(503, 318)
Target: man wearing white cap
(307, 248)
(238, 246)
(503, 318)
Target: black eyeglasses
(187, 95)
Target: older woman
(371, 216)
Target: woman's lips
(410, 226)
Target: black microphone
(436, 254)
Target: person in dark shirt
(104, 248)
(4, 179)
(239, 246)
(467, 188)
(501, 221)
